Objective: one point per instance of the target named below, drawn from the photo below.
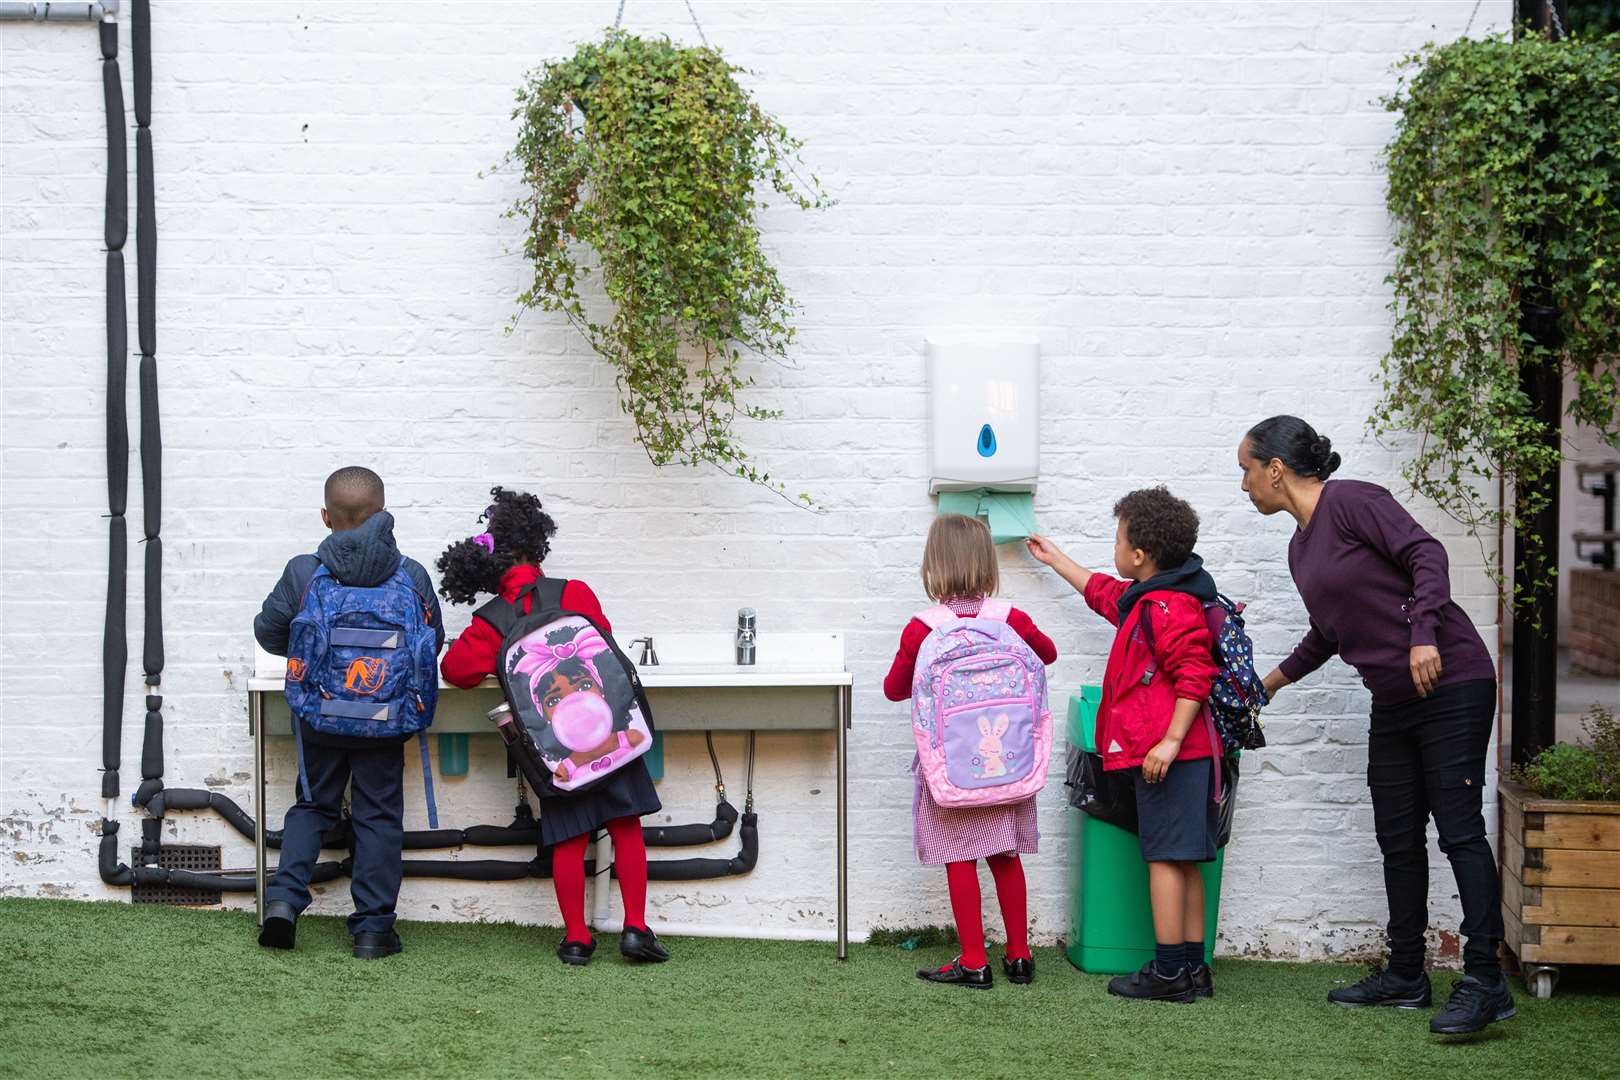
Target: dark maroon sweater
(1376, 584)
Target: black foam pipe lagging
(698, 869)
(145, 244)
(725, 816)
(112, 871)
(141, 38)
(117, 379)
(109, 40)
(152, 744)
(152, 647)
(151, 836)
(114, 655)
(151, 444)
(117, 220)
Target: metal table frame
(843, 692)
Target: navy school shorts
(1177, 819)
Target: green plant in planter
(1579, 772)
(1504, 187)
(653, 157)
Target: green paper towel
(1011, 514)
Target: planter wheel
(1540, 980)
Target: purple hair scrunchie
(485, 541)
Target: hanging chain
(619, 17)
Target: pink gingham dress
(976, 832)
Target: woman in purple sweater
(1378, 591)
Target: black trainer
(1472, 1005)
(954, 974)
(640, 943)
(374, 946)
(1203, 980)
(1384, 987)
(280, 927)
(1020, 971)
(1149, 985)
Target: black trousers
(377, 810)
(1427, 758)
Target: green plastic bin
(1110, 916)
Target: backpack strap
(935, 617)
(1145, 621)
(548, 593)
(994, 608)
(427, 781)
(500, 613)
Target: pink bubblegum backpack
(978, 709)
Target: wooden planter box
(1560, 883)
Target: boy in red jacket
(1153, 721)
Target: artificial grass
(93, 990)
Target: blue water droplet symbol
(987, 441)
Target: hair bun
(1327, 462)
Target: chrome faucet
(745, 635)
(649, 655)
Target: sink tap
(745, 635)
(649, 655)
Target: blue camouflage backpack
(362, 662)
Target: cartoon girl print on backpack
(585, 714)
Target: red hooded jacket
(1134, 716)
(473, 655)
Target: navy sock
(1195, 954)
(1168, 960)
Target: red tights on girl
(963, 880)
(629, 860)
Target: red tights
(630, 862)
(963, 880)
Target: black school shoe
(1203, 980)
(954, 974)
(641, 944)
(1383, 987)
(1020, 971)
(1474, 1004)
(1149, 985)
(575, 953)
(375, 946)
(280, 926)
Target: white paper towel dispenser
(983, 413)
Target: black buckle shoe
(1203, 980)
(280, 926)
(640, 943)
(1383, 987)
(1474, 1004)
(575, 953)
(1149, 985)
(374, 946)
(1020, 971)
(954, 974)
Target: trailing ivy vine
(651, 156)
(1504, 186)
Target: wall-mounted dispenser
(983, 413)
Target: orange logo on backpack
(366, 674)
(295, 669)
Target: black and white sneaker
(1149, 985)
(1383, 987)
(1474, 1004)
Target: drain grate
(201, 858)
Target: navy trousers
(377, 809)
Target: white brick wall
(1182, 200)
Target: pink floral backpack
(978, 709)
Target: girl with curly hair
(504, 560)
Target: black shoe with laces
(641, 944)
(1474, 1004)
(1149, 985)
(954, 974)
(1203, 980)
(1384, 987)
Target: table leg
(843, 824)
(256, 716)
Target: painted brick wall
(1183, 201)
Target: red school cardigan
(473, 655)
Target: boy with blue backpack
(359, 625)
(1177, 641)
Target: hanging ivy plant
(1504, 186)
(651, 156)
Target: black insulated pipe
(152, 648)
(112, 91)
(141, 37)
(114, 655)
(152, 744)
(112, 871)
(150, 839)
(117, 378)
(699, 869)
(145, 243)
(725, 816)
